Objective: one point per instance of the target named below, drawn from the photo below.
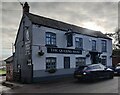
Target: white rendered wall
(38, 39)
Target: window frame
(78, 42)
(69, 40)
(104, 45)
(50, 39)
(50, 65)
(93, 45)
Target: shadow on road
(90, 81)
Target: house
(9, 68)
(46, 48)
(116, 57)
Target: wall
(38, 43)
(21, 57)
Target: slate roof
(9, 59)
(64, 26)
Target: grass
(2, 72)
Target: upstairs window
(104, 46)
(93, 45)
(50, 38)
(78, 43)
(69, 40)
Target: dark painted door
(66, 62)
(94, 57)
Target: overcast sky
(101, 16)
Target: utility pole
(20, 3)
(12, 48)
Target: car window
(96, 67)
(92, 67)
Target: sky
(101, 16)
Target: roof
(9, 59)
(63, 26)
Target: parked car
(117, 70)
(92, 72)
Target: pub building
(46, 48)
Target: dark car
(92, 72)
(117, 70)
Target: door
(66, 62)
(94, 57)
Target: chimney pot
(26, 7)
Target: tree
(116, 38)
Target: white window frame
(50, 63)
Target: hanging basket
(88, 55)
(41, 53)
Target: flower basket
(41, 53)
(52, 70)
(88, 55)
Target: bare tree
(116, 38)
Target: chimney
(26, 8)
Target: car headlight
(84, 73)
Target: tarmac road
(69, 86)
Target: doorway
(66, 62)
(94, 57)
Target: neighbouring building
(9, 68)
(116, 57)
(47, 48)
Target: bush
(52, 70)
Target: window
(80, 61)
(50, 38)
(104, 60)
(69, 40)
(93, 45)
(50, 63)
(104, 46)
(78, 43)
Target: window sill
(51, 70)
(104, 51)
(79, 48)
(50, 45)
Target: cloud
(102, 14)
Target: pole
(12, 48)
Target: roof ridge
(53, 23)
(61, 22)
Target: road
(69, 86)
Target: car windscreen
(92, 67)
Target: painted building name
(63, 51)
